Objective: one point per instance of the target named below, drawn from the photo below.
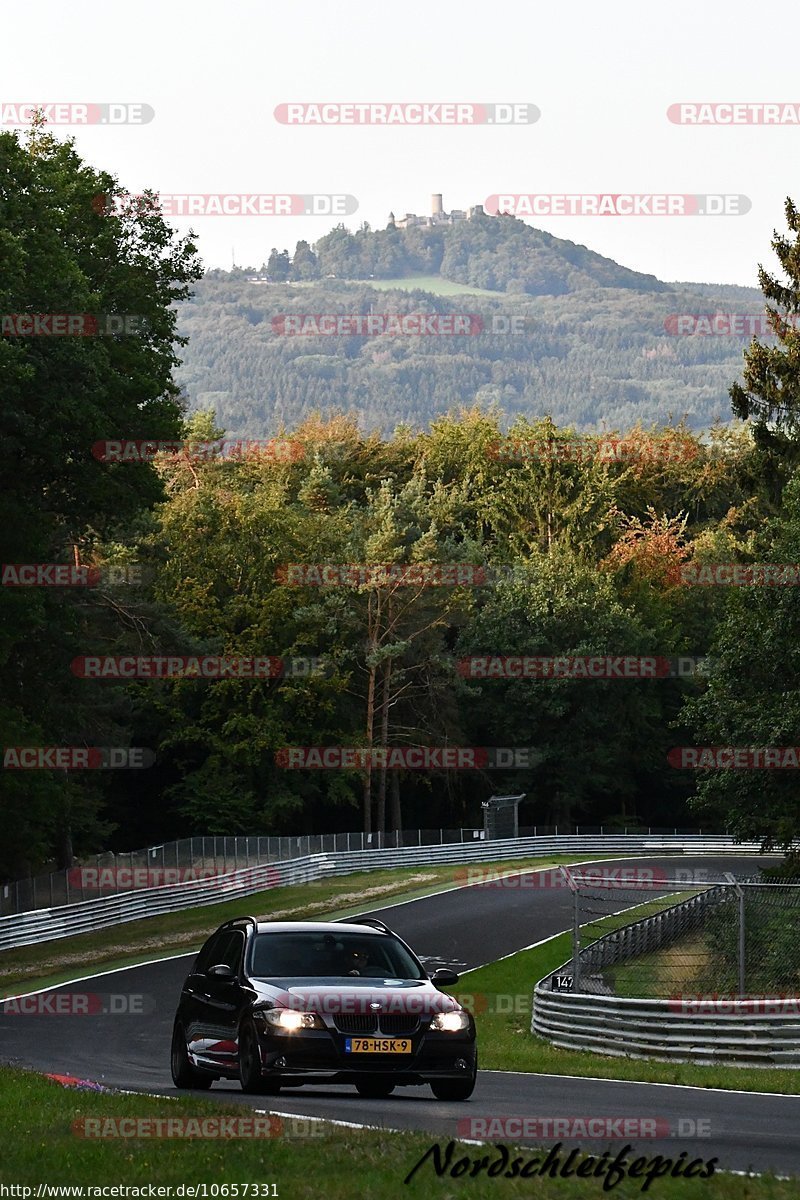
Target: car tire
(455, 1089)
(250, 1076)
(184, 1075)
(374, 1089)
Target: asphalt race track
(462, 928)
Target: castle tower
(437, 208)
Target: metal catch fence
(196, 858)
(699, 934)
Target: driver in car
(357, 962)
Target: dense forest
(592, 345)
(579, 547)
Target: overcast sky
(602, 75)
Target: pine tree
(770, 396)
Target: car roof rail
(237, 920)
(373, 921)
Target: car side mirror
(222, 971)
(444, 977)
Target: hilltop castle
(438, 215)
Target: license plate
(377, 1045)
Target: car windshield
(314, 955)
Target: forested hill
(498, 253)
(600, 347)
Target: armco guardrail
(201, 857)
(46, 924)
(741, 1032)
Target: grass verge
(430, 283)
(37, 1120)
(668, 971)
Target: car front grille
(356, 1022)
(398, 1024)
(391, 1024)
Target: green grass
(500, 995)
(665, 972)
(40, 1146)
(429, 283)
(158, 937)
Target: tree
(305, 264)
(753, 696)
(62, 250)
(770, 396)
(278, 266)
(602, 742)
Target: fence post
(740, 955)
(576, 929)
(741, 943)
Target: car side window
(206, 958)
(231, 950)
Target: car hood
(346, 996)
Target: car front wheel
(184, 1075)
(250, 1075)
(455, 1089)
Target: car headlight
(288, 1019)
(450, 1022)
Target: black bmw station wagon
(278, 1004)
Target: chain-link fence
(686, 935)
(204, 857)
